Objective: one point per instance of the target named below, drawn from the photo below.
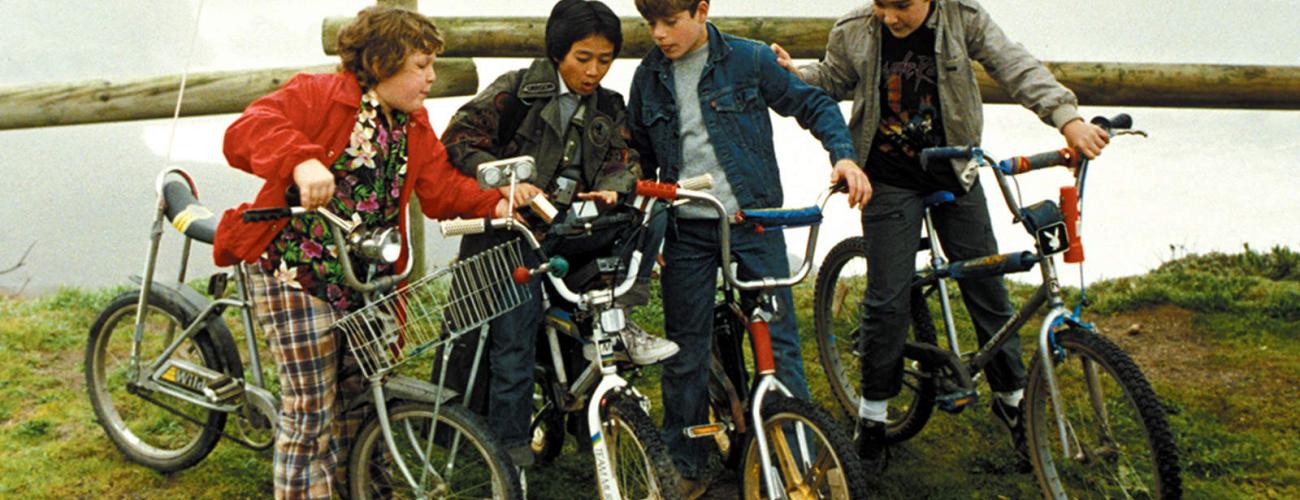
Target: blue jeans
(691, 257)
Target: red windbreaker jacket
(312, 116)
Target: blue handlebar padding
(783, 217)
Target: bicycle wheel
(638, 455)
(148, 434)
(829, 469)
(463, 460)
(841, 285)
(1120, 443)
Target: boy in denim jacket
(699, 104)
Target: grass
(1217, 334)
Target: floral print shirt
(369, 177)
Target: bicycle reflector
(1070, 207)
(704, 430)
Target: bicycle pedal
(216, 387)
(705, 430)
(955, 402)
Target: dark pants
(691, 257)
(891, 224)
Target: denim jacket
(740, 81)
(963, 32)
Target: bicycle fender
(401, 388)
(194, 303)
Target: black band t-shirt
(910, 118)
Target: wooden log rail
(1096, 83)
(210, 93)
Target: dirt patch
(1163, 343)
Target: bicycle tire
(845, 477)
(165, 442)
(1145, 462)
(621, 412)
(479, 468)
(836, 333)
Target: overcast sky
(89, 186)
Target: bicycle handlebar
(346, 237)
(556, 267)
(724, 234)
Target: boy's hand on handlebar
(783, 58)
(315, 183)
(859, 186)
(523, 192)
(605, 198)
(1085, 138)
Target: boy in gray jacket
(907, 66)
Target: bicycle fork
(767, 381)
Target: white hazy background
(1205, 180)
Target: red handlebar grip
(1070, 208)
(656, 189)
(521, 275)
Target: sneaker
(646, 349)
(871, 446)
(1013, 418)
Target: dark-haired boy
(556, 111)
(907, 66)
(699, 104)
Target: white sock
(1011, 398)
(873, 410)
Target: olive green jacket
(963, 32)
(472, 135)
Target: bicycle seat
(185, 212)
(938, 198)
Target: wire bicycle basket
(434, 309)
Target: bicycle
(1111, 438)
(164, 374)
(800, 451)
(631, 460)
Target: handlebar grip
(1064, 157)
(652, 189)
(697, 183)
(946, 153)
(464, 226)
(1121, 121)
(291, 197)
(265, 214)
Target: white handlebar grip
(462, 226)
(697, 183)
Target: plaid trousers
(311, 447)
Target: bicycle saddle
(938, 198)
(185, 212)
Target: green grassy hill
(1218, 335)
